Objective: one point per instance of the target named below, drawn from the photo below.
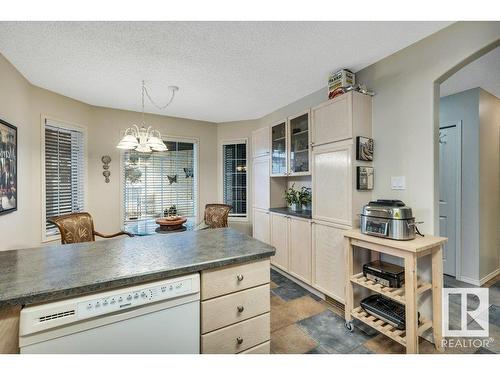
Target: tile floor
(302, 323)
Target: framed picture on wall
(364, 178)
(8, 168)
(364, 149)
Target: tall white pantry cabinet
(312, 250)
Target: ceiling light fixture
(145, 139)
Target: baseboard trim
(301, 283)
(469, 280)
(490, 276)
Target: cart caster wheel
(349, 326)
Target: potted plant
(297, 199)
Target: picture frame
(364, 178)
(8, 168)
(364, 148)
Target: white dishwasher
(159, 317)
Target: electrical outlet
(398, 183)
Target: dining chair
(216, 215)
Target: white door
(332, 182)
(300, 249)
(260, 175)
(279, 239)
(329, 260)
(260, 142)
(449, 185)
(261, 225)
(332, 120)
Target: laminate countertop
(62, 271)
(305, 214)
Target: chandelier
(145, 139)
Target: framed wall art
(8, 168)
(364, 178)
(364, 149)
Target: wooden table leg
(349, 296)
(411, 304)
(437, 290)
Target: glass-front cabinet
(299, 144)
(279, 162)
(290, 152)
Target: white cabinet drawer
(238, 337)
(232, 308)
(218, 282)
(264, 348)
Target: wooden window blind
(64, 172)
(235, 178)
(158, 181)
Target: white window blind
(158, 181)
(64, 172)
(235, 178)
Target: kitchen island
(57, 272)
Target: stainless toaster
(389, 219)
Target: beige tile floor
(302, 323)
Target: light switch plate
(398, 183)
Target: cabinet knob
(239, 340)
(241, 309)
(240, 277)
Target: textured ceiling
(483, 72)
(225, 70)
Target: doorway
(450, 180)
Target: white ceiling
(225, 70)
(483, 72)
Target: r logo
(465, 312)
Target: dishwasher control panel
(133, 298)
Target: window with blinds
(64, 172)
(160, 181)
(235, 178)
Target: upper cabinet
(344, 117)
(279, 144)
(299, 151)
(260, 142)
(290, 151)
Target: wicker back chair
(216, 215)
(79, 227)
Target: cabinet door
(260, 142)
(328, 260)
(279, 239)
(332, 183)
(261, 226)
(279, 146)
(332, 120)
(299, 151)
(261, 183)
(300, 249)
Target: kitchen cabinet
(260, 142)
(299, 150)
(345, 117)
(332, 182)
(300, 249)
(279, 146)
(261, 182)
(279, 239)
(328, 268)
(261, 225)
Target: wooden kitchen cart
(407, 295)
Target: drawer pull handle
(240, 277)
(239, 340)
(241, 309)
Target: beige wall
(23, 105)
(489, 179)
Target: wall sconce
(106, 159)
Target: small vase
(295, 207)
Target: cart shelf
(396, 294)
(397, 335)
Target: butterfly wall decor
(189, 172)
(172, 179)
